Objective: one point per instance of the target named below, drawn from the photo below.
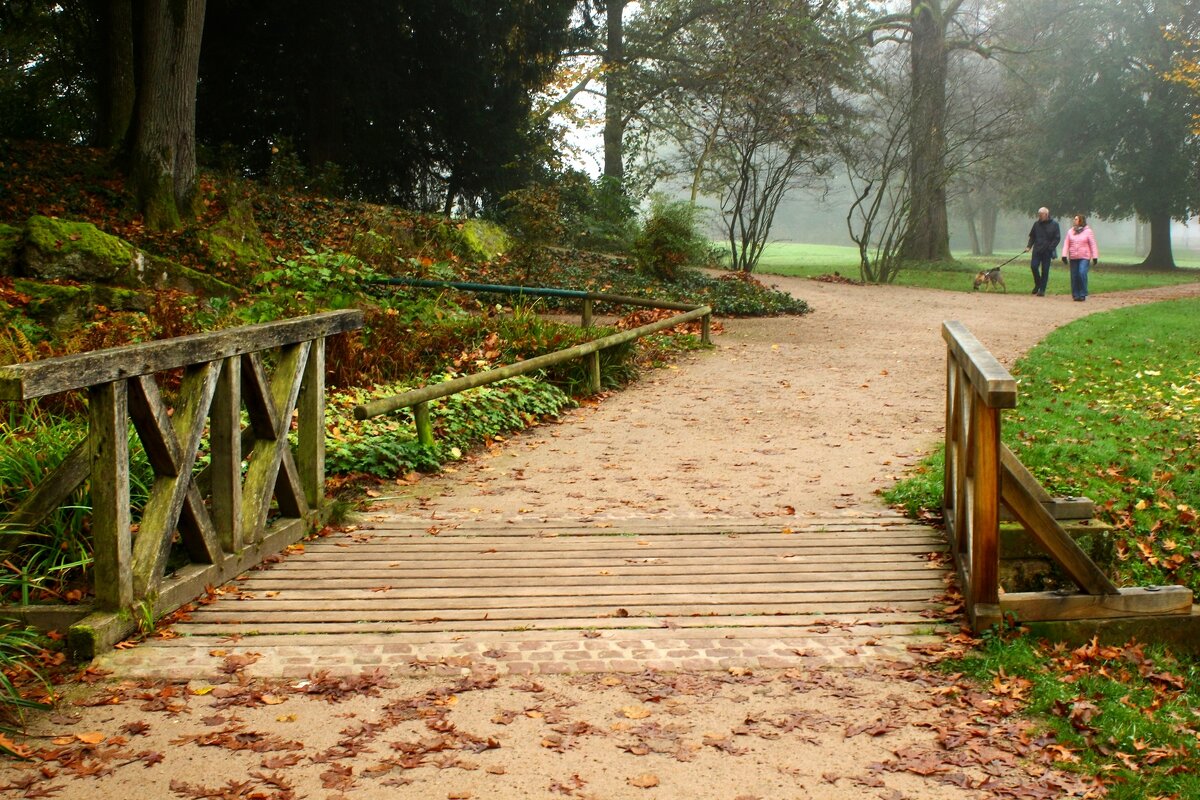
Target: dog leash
(1014, 258)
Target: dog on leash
(990, 279)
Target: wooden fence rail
(255, 496)
(982, 475)
(419, 399)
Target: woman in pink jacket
(1079, 250)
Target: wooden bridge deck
(551, 597)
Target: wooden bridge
(549, 596)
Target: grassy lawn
(1107, 408)
(811, 260)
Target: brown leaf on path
(646, 780)
(281, 761)
(635, 712)
(93, 737)
(459, 796)
(496, 769)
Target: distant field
(811, 260)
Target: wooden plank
(585, 545)
(225, 463)
(645, 627)
(629, 612)
(1049, 534)
(48, 495)
(278, 579)
(751, 602)
(310, 433)
(160, 518)
(52, 375)
(990, 380)
(348, 562)
(1128, 602)
(108, 440)
(319, 593)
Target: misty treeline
(929, 108)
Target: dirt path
(815, 413)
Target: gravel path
(813, 413)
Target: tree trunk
(989, 215)
(118, 87)
(1141, 238)
(1160, 256)
(972, 234)
(614, 107)
(928, 224)
(164, 149)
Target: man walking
(1044, 237)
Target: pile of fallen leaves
(838, 277)
(647, 316)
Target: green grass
(811, 260)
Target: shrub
(669, 240)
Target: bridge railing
(255, 496)
(418, 399)
(982, 475)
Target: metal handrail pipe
(538, 291)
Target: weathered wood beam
(310, 433)
(1127, 602)
(225, 461)
(108, 437)
(52, 375)
(991, 380)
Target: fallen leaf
(646, 780)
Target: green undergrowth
(1107, 409)
(387, 446)
(1129, 716)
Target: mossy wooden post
(108, 437)
(706, 329)
(424, 424)
(593, 369)
(225, 440)
(587, 312)
(310, 456)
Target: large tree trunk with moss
(1160, 256)
(118, 87)
(164, 150)
(929, 229)
(614, 108)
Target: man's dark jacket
(1044, 237)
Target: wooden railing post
(706, 329)
(424, 424)
(593, 369)
(985, 507)
(225, 442)
(586, 320)
(108, 438)
(310, 456)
